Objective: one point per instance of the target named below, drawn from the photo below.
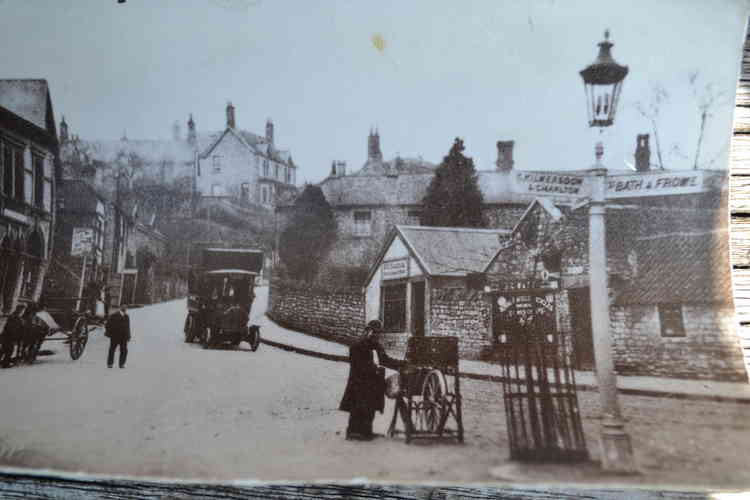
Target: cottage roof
(377, 167)
(451, 251)
(681, 268)
(408, 189)
(28, 99)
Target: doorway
(417, 308)
(580, 322)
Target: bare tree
(707, 99)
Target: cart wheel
(432, 406)
(254, 337)
(78, 338)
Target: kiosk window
(670, 318)
(394, 308)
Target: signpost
(83, 241)
(82, 245)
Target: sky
(422, 71)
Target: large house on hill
(241, 164)
(231, 164)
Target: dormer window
(216, 163)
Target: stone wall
(463, 313)
(709, 350)
(333, 314)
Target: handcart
(425, 401)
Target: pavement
(277, 336)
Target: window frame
(360, 228)
(395, 303)
(37, 166)
(671, 320)
(216, 164)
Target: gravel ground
(183, 412)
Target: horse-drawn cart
(425, 397)
(59, 322)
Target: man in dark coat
(118, 331)
(12, 336)
(365, 389)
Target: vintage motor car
(221, 290)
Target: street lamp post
(603, 83)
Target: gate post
(616, 448)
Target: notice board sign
(395, 269)
(83, 241)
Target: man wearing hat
(365, 389)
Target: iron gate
(539, 390)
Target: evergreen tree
(453, 197)
(309, 235)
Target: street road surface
(180, 411)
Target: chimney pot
(642, 154)
(230, 115)
(504, 155)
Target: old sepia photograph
(424, 242)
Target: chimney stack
(338, 168)
(504, 155)
(63, 130)
(373, 146)
(191, 135)
(230, 115)
(269, 132)
(642, 154)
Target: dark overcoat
(365, 389)
(118, 327)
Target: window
(245, 188)
(264, 194)
(265, 168)
(276, 171)
(670, 318)
(216, 163)
(7, 170)
(38, 163)
(394, 308)
(362, 223)
(19, 174)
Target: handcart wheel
(254, 337)
(433, 396)
(78, 338)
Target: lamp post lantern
(603, 82)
